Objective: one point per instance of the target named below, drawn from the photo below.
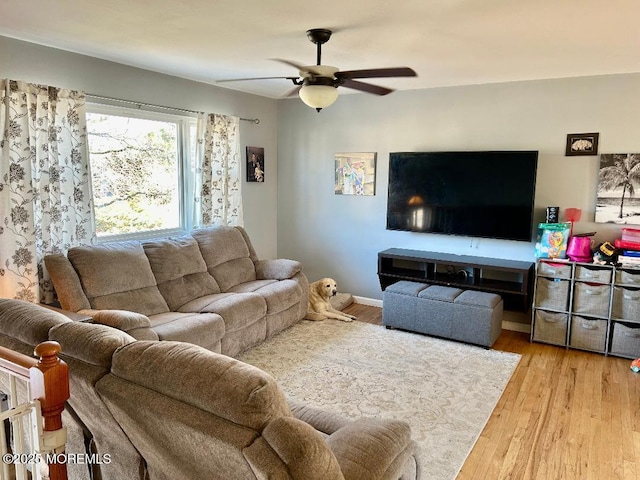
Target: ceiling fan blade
(293, 92)
(378, 73)
(365, 87)
(254, 78)
(298, 66)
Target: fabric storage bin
(593, 274)
(626, 303)
(591, 299)
(628, 277)
(588, 333)
(552, 293)
(550, 327)
(625, 341)
(554, 269)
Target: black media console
(511, 279)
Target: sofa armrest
(372, 448)
(135, 324)
(278, 269)
(302, 449)
(322, 420)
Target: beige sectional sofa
(173, 410)
(207, 288)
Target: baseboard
(371, 302)
(506, 325)
(516, 327)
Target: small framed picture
(355, 173)
(255, 164)
(582, 144)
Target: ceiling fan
(317, 85)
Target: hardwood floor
(565, 414)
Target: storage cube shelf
(588, 307)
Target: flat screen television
(475, 194)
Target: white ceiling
(447, 42)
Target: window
(141, 169)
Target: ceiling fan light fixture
(318, 96)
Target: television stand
(511, 279)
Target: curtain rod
(255, 121)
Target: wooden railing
(46, 382)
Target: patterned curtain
(218, 200)
(45, 197)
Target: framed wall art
(618, 180)
(582, 144)
(255, 164)
(355, 173)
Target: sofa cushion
(238, 310)
(279, 295)
(66, 282)
(277, 269)
(118, 276)
(177, 441)
(179, 270)
(223, 386)
(204, 329)
(226, 254)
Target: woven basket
(626, 340)
(550, 327)
(593, 274)
(553, 269)
(552, 294)
(591, 299)
(626, 304)
(588, 333)
(628, 277)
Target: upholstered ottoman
(399, 303)
(465, 315)
(435, 312)
(477, 318)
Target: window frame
(186, 165)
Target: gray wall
(35, 63)
(340, 236)
(295, 213)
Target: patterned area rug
(445, 390)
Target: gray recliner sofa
(207, 288)
(173, 410)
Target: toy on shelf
(552, 240)
(605, 254)
(635, 365)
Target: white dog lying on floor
(319, 306)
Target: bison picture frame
(582, 144)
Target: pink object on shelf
(631, 235)
(579, 249)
